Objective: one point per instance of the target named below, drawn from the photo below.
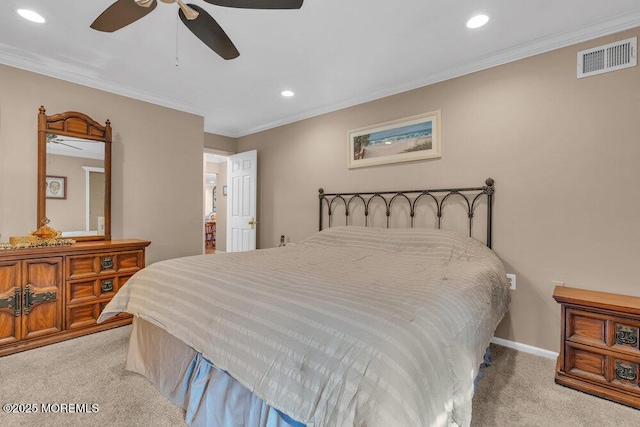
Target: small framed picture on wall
(56, 187)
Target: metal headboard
(470, 195)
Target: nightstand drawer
(586, 327)
(603, 331)
(626, 373)
(603, 366)
(586, 362)
(625, 335)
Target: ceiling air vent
(610, 57)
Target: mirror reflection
(75, 185)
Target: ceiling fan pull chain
(177, 29)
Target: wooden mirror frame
(76, 125)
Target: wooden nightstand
(599, 349)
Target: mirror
(74, 175)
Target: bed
(355, 325)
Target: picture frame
(56, 187)
(403, 140)
(224, 190)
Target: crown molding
(577, 35)
(542, 45)
(70, 76)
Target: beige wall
(157, 162)
(564, 154)
(220, 143)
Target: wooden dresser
(57, 293)
(599, 351)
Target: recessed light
(32, 16)
(287, 93)
(477, 21)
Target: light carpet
(518, 390)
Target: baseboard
(525, 347)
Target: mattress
(352, 326)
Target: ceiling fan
(55, 139)
(124, 12)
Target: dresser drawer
(86, 315)
(82, 266)
(603, 331)
(85, 290)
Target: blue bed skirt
(210, 397)
(213, 397)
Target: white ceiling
(332, 53)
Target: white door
(242, 178)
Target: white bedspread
(350, 327)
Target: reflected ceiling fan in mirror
(55, 139)
(197, 20)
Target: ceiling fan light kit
(197, 20)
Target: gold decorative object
(42, 237)
(18, 240)
(45, 232)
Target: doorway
(215, 206)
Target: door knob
(252, 222)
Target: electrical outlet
(512, 280)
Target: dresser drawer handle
(31, 298)
(12, 302)
(626, 372)
(106, 285)
(628, 336)
(106, 263)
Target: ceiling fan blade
(62, 143)
(210, 32)
(69, 145)
(120, 14)
(259, 4)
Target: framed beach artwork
(56, 187)
(404, 140)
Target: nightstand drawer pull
(626, 335)
(106, 263)
(106, 285)
(626, 372)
